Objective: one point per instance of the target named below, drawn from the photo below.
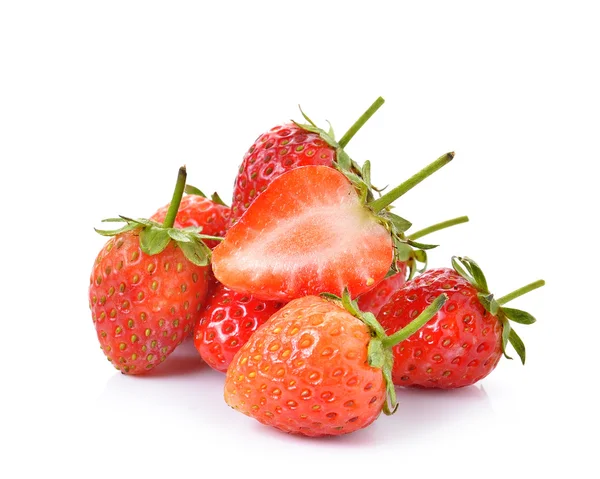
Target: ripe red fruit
(374, 299)
(317, 368)
(146, 288)
(464, 341)
(279, 150)
(197, 210)
(312, 231)
(227, 322)
(284, 148)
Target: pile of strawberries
(308, 291)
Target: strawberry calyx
(357, 174)
(215, 198)
(380, 353)
(406, 250)
(470, 270)
(413, 252)
(154, 237)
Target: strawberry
(314, 230)
(283, 148)
(147, 285)
(374, 299)
(197, 210)
(227, 322)
(317, 368)
(465, 340)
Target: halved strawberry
(313, 231)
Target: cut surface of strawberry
(308, 233)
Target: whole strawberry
(227, 322)
(465, 340)
(285, 147)
(197, 210)
(374, 299)
(317, 368)
(147, 286)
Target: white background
(101, 102)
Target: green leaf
(141, 221)
(312, 123)
(330, 132)
(114, 220)
(192, 190)
(376, 353)
(330, 296)
(370, 320)
(154, 240)
(421, 245)
(196, 252)
(457, 264)
(359, 184)
(348, 304)
(518, 344)
(124, 229)
(478, 275)
(506, 329)
(518, 316)
(399, 223)
(391, 404)
(392, 271)
(343, 160)
(179, 235)
(489, 303)
(193, 229)
(412, 268)
(420, 255)
(366, 173)
(403, 251)
(209, 237)
(311, 128)
(217, 199)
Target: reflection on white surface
(185, 389)
(182, 383)
(426, 411)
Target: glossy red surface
(306, 372)
(459, 346)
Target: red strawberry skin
(143, 306)
(305, 371)
(281, 149)
(196, 210)
(227, 322)
(459, 346)
(307, 233)
(372, 301)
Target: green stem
(392, 195)
(176, 200)
(417, 323)
(360, 122)
(437, 227)
(521, 291)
